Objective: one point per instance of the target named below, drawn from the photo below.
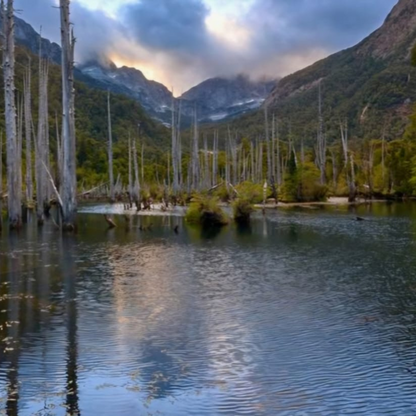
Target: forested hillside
(91, 123)
(372, 85)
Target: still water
(308, 312)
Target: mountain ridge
(365, 84)
(156, 98)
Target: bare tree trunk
(370, 168)
(14, 172)
(278, 161)
(48, 186)
(274, 145)
(334, 170)
(350, 179)
(28, 133)
(168, 171)
(179, 148)
(206, 159)
(383, 158)
(130, 186)
(321, 148)
(1, 180)
(175, 149)
(195, 155)
(302, 152)
(59, 154)
(110, 151)
(253, 171)
(260, 162)
(215, 159)
(267, 137)
(19, 138)
(136, 177)
(69, 186)
(142, 163)
(42, 145)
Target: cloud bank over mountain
(182, 42)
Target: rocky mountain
(28, 37)
(368, 84)
(214, 99)
(221, 98)
(153, 96)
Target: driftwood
(92, 190)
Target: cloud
(177, 25)
(182, 42)
(291, 24)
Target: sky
(183, 42)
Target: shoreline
(332, 202)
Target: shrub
(252, 192)
(242, 209)
(205, 211)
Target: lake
(307, 312)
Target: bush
(252, 192)
(302, 185)
(224, 194)
(205, 211)
(242, 209)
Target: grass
(206, 211)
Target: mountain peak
(99, 61)
(221, 91)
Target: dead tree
(267, 138)
(207, 180)
(334, 170)
(215, 159)
(253, 171)
(41, 147)
(19, 137)
(195, 166)
(383, 158)
(1, 180)
(348, 163)
(69, 186)
(232, 146)
(59, 154)
(28, 133)
(321, 141)
(110, 151)
(14, 198)
(136, 186)
(142, 163)
(130, 184)
(175, 146)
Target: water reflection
(69, 273)
(303, 311)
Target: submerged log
(110, 222)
